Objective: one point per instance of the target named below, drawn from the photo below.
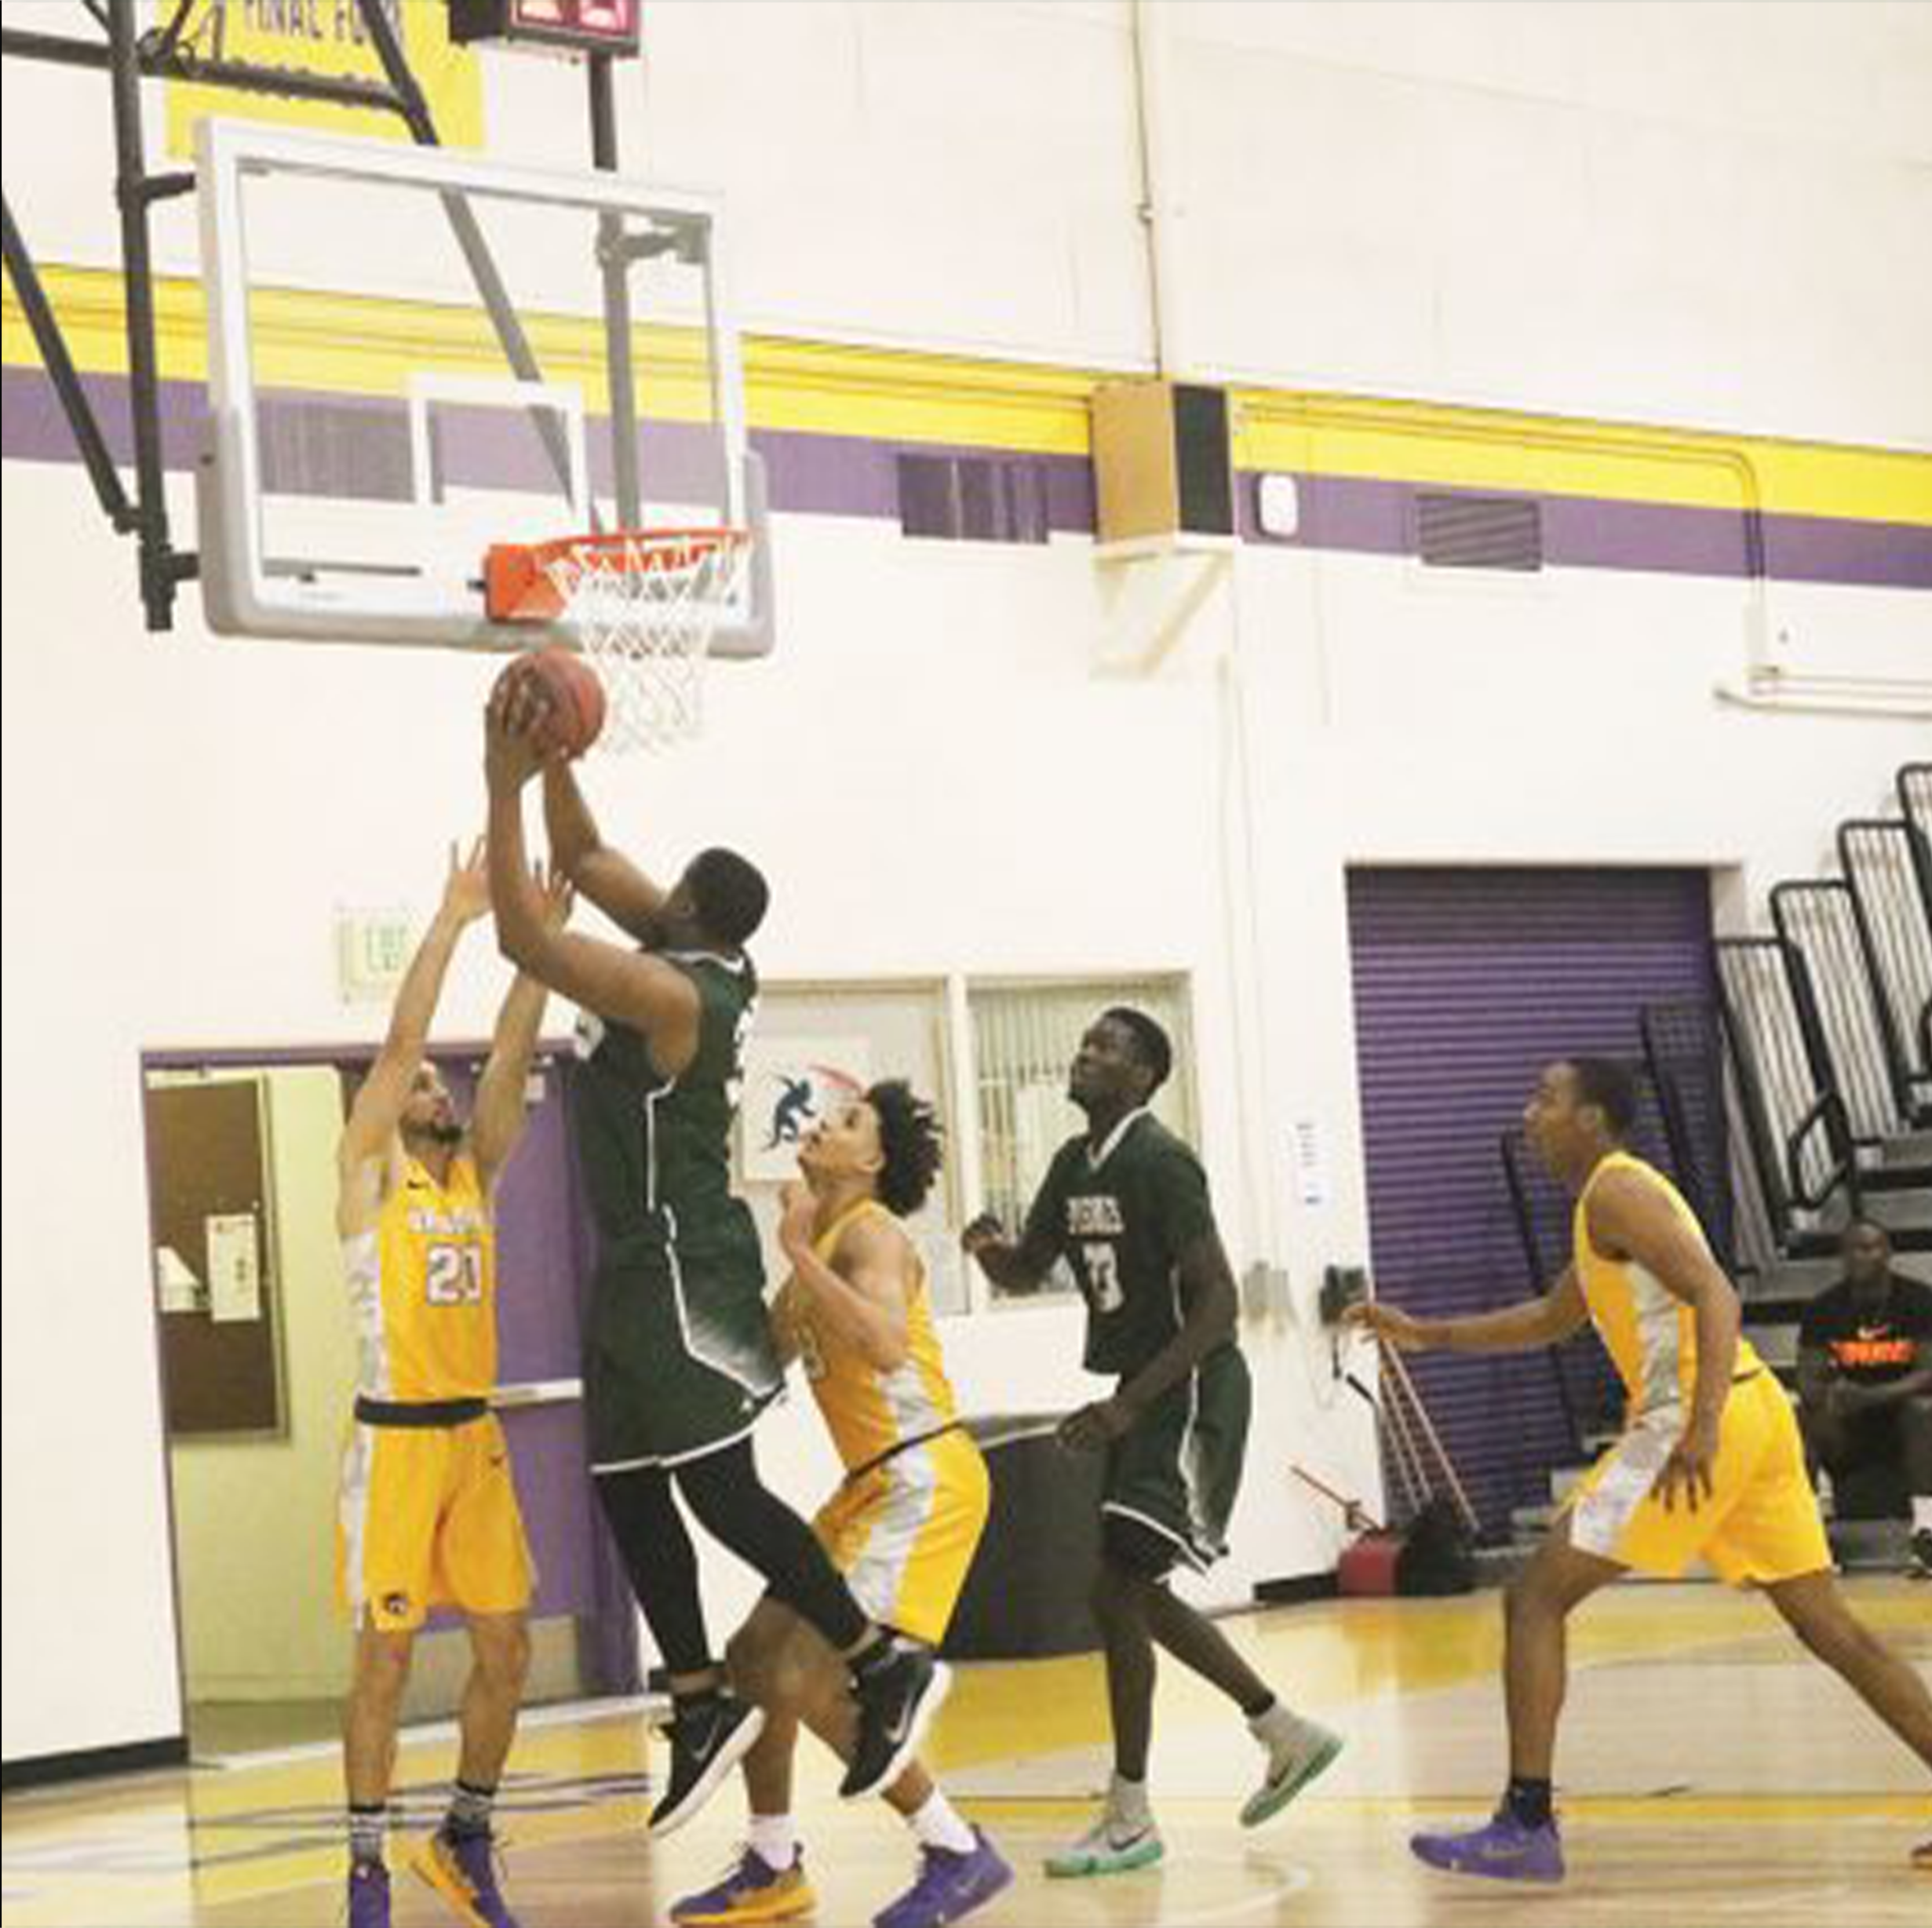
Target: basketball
(576, 699)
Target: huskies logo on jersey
(1095, 1214)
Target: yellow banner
(326, 37)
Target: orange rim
(519, 584)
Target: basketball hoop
(644, 604)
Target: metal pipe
(157, 61)
(157, 578)
(74, 404)
(1151, 93)
(615, 262)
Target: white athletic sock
(938, 1825)
(1280, 1728)
(773, 1840)
(1127, 1801)
(1922, 1513)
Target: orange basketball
(576, 699)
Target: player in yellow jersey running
(1710, 1461)
(902, 1526)
(427, 1512)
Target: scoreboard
(575, 26)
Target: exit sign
(373, 949)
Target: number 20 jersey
(1120, 1214)
(422, 1282)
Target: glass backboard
(415, 354)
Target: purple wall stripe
(1465, 982)
(854, 475)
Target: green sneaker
(1307, 1751)
(1112, 1845)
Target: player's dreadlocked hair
(912, 1140)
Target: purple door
(544, 1261)
(1466, 982)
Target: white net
(645, 604)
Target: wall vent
(1479, 532)
(972, 498)
(332, 448)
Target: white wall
(1687, 213)
(183, 816)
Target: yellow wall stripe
(357, 346)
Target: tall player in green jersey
(678, 1358)
(1125, 1205)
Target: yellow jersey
(1650, 1334)
(869, 1413)
(422, 1282)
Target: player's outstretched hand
(466, 889)
(984, 1231)
(798, 1212)
(511, 755)
(1392, 1328)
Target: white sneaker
(1299, 1750)
(1115, 1844)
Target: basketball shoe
(709, 1736)
(951, 1885)
(1123, 1838)
(751, 1891)
(1504, 1849)
(462, 1869)
(1298, 1750)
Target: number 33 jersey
(1121, 1214)
(423, 1280)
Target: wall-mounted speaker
(1162, 461)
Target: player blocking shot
(679, 1363)
(1125, 1205)
(427, 1512)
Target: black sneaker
(898, 1697)
(1919, 1566)
(709, 1737)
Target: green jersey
(656, 1150)
(1121, 1215)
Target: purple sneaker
(369, 1895)
(462, 1869)
(752, 1892)
(1504, 1850)
(949, 1886)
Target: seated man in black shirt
(1864, 1387)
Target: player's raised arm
(606, 877)
(861, 1294)
(625, 986)
(373, 1118)
(497, 1124)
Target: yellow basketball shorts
(1760, 1523)
(904, 1534)
(427, 1517)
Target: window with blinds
(1024, 1038)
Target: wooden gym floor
(1711, 1773)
